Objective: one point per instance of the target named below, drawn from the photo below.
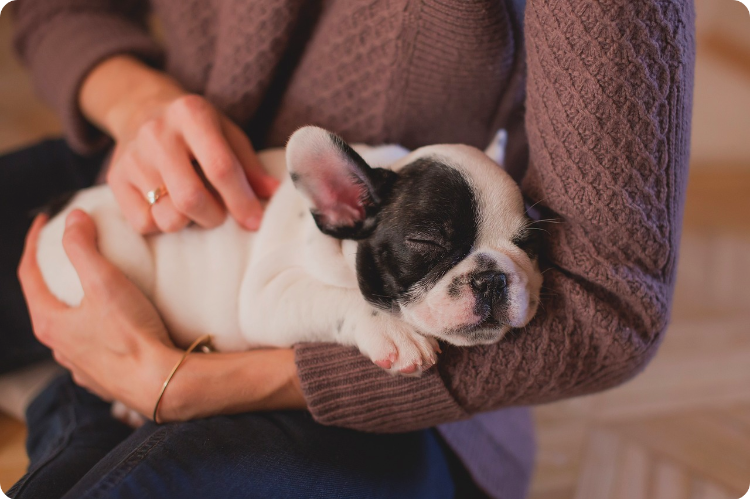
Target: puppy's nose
(490, 285)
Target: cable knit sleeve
(609, 96)
(60, 41)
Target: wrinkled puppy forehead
(432, 196)
(497, 198)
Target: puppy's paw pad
(412, 369)
(396, 347)
(416, 355)
(380, 349)
(385, 363)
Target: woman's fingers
(62, 360)
(144, 177)
(32, 281)
(188, 195)
(97, 275)
(129, 197)
(160, 153)
(262, 183)
(80, 244)
(204, 136)
(134, 206)
(44, 307)
(167, 217)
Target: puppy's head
(443, 239)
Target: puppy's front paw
(395, 346)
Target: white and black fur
(402, 249)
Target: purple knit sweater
(596, 95)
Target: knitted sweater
(596, 96)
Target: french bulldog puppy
(376, 247)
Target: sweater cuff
(63, 54)
(343, 388)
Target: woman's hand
(167, 137)
(115, 344)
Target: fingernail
(72, 219)
(253, 222)
(271, 185)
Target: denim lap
(69, 431)
(268, 455)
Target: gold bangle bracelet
(204, 340)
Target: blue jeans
(77, 450)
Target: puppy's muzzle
(490, 289)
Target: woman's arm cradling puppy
(116, 345)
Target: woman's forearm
(231, 383)
(119, 92)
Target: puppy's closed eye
(426, 244)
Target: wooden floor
(13, 458)
(681, 430)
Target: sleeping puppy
(376, 247)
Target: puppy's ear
(344, 193)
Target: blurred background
(681, 430)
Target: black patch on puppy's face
(427, 225)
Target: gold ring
(153, 196)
